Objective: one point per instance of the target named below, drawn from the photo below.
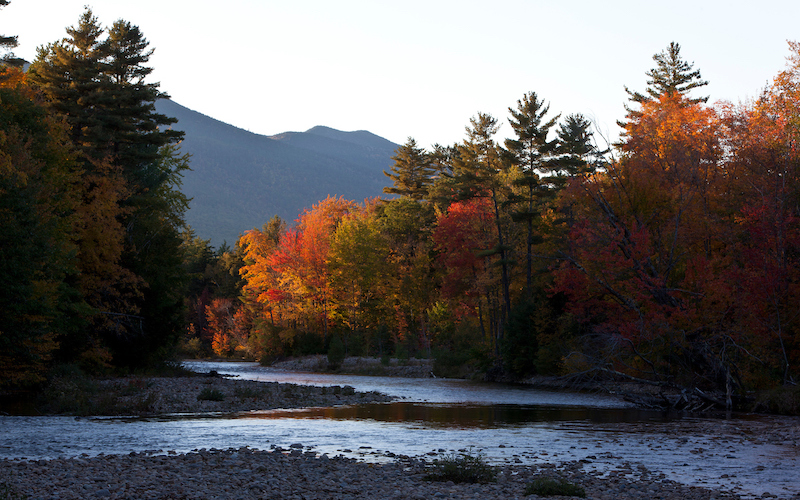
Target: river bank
(143, 396)
(303, 473)
(361, 365)
(299, 473)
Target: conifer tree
(672, 75)
(533, 153)
(9, 43)
(411, 173)
(479, 172)
(132, 174)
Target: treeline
(91, 211)
(671, 257)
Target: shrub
(780, 400)
(463, 468)
(335, 353)
(210, 394)
(548, 487)
(307, 343)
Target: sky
(422, 69)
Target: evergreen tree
(132, 175)
(8, 43)
(69, 75)
(479, 172)
(672, 75)
(578, 154)
(533, 153)
(411, 173)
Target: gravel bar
(299, 473)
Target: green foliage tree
(132, 173)
(8, 43)
(38, 176)
(672, 75)
(411, 173)
(358, 263)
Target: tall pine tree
(132, 175)
(412, 172)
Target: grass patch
(463, 468)
(548, 487)
(210, 394)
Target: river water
(507, 424)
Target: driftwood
(669, 396)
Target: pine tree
(411, 173)
(576, 150)
(672, 75)
(479, 172)
(8, 43)
(132, 174)
(533, 153)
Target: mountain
(239, 180)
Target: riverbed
(747, 454)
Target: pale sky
(423, 68)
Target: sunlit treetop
(672, 75)
(7, 43)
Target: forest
(669, 257)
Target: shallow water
(506, 423)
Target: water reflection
(418, 390)
(508, 423)
(467, 415)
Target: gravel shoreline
(300, 473)
(146, 396)
(295, 473)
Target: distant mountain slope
(239, 180)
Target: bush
(335, 353)
(452, 364)
(210, 394)
(548, 487)
(780, 401)
(307, 343)
(463, 468)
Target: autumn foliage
(673, 259)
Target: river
(505, 423)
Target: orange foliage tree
(289, 280)
(643, 227)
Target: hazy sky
(423, 68)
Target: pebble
(276, 475)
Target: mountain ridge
(239, 179)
